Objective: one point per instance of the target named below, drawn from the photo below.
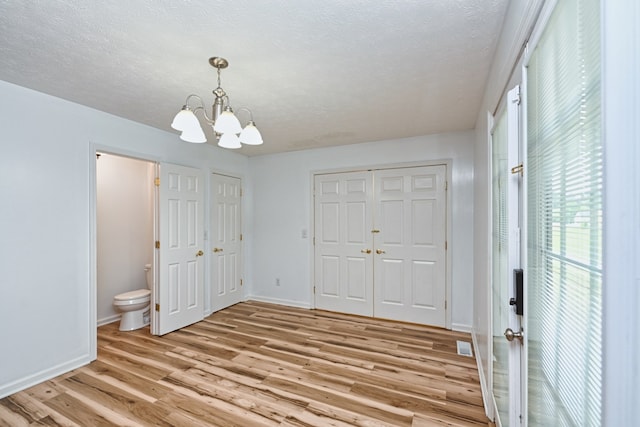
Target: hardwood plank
(262, 364)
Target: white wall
(282, 185)
(125, 213)
(47, 252)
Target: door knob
(199, 253)
(510, 335)
(366, 251)
(380, 251)
(217, 249)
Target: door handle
(380, 251)
(217, 249)
(510, 335)
(366, 251)
(199, 253)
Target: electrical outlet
(277, 281)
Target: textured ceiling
(314, 73)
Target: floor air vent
(464, 348)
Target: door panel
(507, 363)
(180, 287)
(226, 261)
(410, 258)
(343, 224)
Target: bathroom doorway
(125, 211)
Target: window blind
(564, 226)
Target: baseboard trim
(45, 375)
(298, 304)
(107, 320)
(460, 327)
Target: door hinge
(157, 307)
(157, 182)
(314, 290)
(445, 245)
(446, 185)
(314, 241)
(241, 192)
(157, 244)
(240, 236)
(518, 169)
(240, 282)
(517, 99)
(445, 304)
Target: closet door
(343, 243)
(226, 244)
(409, 249)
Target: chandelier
(225, 124)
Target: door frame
(94, 149)
(448, 220)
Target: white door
(180, 288)
(409, 244)
(226, 247)
(343, 243)
(507, 369)
(380, 243)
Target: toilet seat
(133, 297)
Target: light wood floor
(257, 364)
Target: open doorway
(125, 209)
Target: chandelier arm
(199, 107)
(247, 110)
(225, 101)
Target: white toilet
(134, 305)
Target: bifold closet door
(343, 242)
(409, 254)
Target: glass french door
(506, 301)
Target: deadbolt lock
(199, 253)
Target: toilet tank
(149, 273)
